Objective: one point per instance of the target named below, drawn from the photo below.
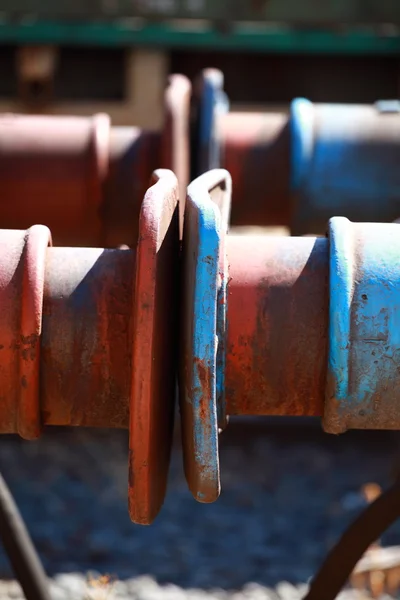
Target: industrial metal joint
(88, 339)
(295, 326)
(85, 179)
(252, 325)
(299, 167)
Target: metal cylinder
(364, 334)
(87, 309)
(277, 325)
(297, 170)
(255, 149)
(85, 180)
(88, 338)
(344, 162)
(134, 154)
(52, 170)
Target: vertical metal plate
(154, 350)
(203, 329)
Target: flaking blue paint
(301, 140)
(213, 101)
(364, 326)
(343, 161)
(202, 275)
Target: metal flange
(202, 359)
(364, 327)
(154, 348)
(84, 179)
(96, 331)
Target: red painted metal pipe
(84, 179)
(276, 345)
(88, 338)
(277, 325)
(255, 149)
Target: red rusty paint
(84, 179)
(22, 264)
(135, 154)
(103, 351)
(85, 342)
(52, 171)
(154, 346)
(255, 149)
(277, 325)
(175, 147)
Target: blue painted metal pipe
(363, 376)
(298, 171)
(344, 162)
(283, 326)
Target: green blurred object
(294, 12)
(286, 26)
(171, 35)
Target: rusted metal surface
(300, 167)
(364, 338)
(51, 171)
(175, 145)
(344, 163)
(85, 345)
(135, 154)
(95, 330)
(255, 149)
(154, 348)
(82, 178)
(22, 265)
(203, 330)
(277, 325)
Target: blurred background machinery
(300, 106)
(82, 57)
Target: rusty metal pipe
(85, 343)
(255, 149)
(84, 179)
(277, 328)
(298, 170)
(52, 171)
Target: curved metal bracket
(205, 274)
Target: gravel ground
(287, 494)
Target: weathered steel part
(203, 329)
(175, 146)
(52, 171)
(255, 149)
(22, 264)
(344, 163)
(277, 325)
(85, 342)
(364, 327)
(134, 154)
(209, 102)
(154, 354)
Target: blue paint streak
(213, 102)
(301, 132)
(364, 328)
(342, 164)
(340, 287)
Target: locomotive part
(84, 179)
(299, 170)
(92, 332)
(283, 326)
(259, 325)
